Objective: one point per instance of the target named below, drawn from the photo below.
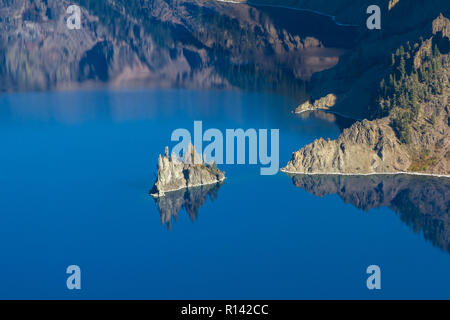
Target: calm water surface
(76, 168)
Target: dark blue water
(76, 168)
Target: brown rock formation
(413, 129)
(191, 199)
(176, 174)
(421, 202)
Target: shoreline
(157, 196)
(251, 3)
(367, 174)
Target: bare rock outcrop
(324, 103)
(176, 174)
(366, 147)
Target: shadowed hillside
(161, 43)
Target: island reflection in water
(191, 199)
(421, 202)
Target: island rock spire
(175, 174)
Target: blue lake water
(76, 169)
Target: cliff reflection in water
(191, 199)
(421, 202)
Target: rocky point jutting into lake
(189, 199)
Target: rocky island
(409, 125)
(191, 171)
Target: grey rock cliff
(372, 147)
(176, 174)
(162, 43)
(364, 148)
(412, 127)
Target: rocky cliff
(325, 103)
(411, 126)
(163, 43)
(191, 171)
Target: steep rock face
(354, 80)
(356, 76)
(412, 134)
(174, 174)
(191, 199)
(372, 147)
(324, 103)
(366, 147)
